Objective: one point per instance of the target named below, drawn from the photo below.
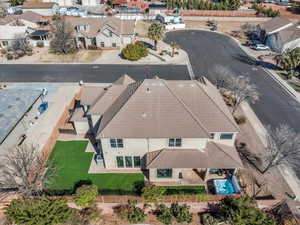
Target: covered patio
(175, 167)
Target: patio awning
(39, 33)
(213, 156)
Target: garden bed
(72, 165)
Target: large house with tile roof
(279, 34)
(109, 32)
(168, 129)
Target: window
(226, 136)
(164, 173)
(102, 44)
(175, 142)
(114, 45)
(137, 161)
(110, 34)
(128, 161)
(120, 161)
(116, 143)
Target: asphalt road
(208, 49)
(87, 72)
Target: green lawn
(72, 164)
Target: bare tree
(283, 146)
(63, 41)
(24, 171)
(239, 88)
(21, 46)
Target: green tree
(134, 52)
(153, 194)
(164, 214)
(156, 32)
(181, 213)
(242, 211)
(131, 212)
(234, 4)
(16, 2)
(37, 211)
(290, 60)
(86, 195)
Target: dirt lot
(42, 55)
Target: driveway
(87, 72)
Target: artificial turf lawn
(72, 165)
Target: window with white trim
(175, 142)
(226, 136)
(116, 143)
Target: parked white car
(260, 47)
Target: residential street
(87, 72)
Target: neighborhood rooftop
(118, 26)
(274, 24)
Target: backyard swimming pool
(226, 186)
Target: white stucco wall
(81, 127)
(291, 45)
(43, 12)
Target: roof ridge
(185, 107)
(214, 143)
(160, 152)
(138, 84)
(235, 125)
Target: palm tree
(174, 46)
(290, 61)
(156, 32)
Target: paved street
(207, 49)
(87, 72)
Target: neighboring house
(8, 34)
(36, 27)
(171, 21)
(169, 129)
(43, 8)
(279, 34)
(29, 19)
(106, 32)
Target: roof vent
(148, 90)
(180, 85)
(144, 115)
(192, 85)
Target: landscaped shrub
(260, 10)
(86, 216)
(181, 213)
(37, 211)
(208, 219)
(164, 214)
(184, 190)
(3, 51)
(178, 212)
(131, 212)
(204, 5)
(40, 44)
(85, 195)
(203, 197)
(153, 194)
(241, 119)
(9, 56)
(134, 52)
(92, 47)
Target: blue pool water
(224, 187)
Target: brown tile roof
(289, 34)
(36, 4)
(274, 24)
(32, 17)
(120, 27)
(158, 108)
(213, 156)
(78, 115)
(90, 94)
(124, 80)
(107, 99)
(28, 15)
